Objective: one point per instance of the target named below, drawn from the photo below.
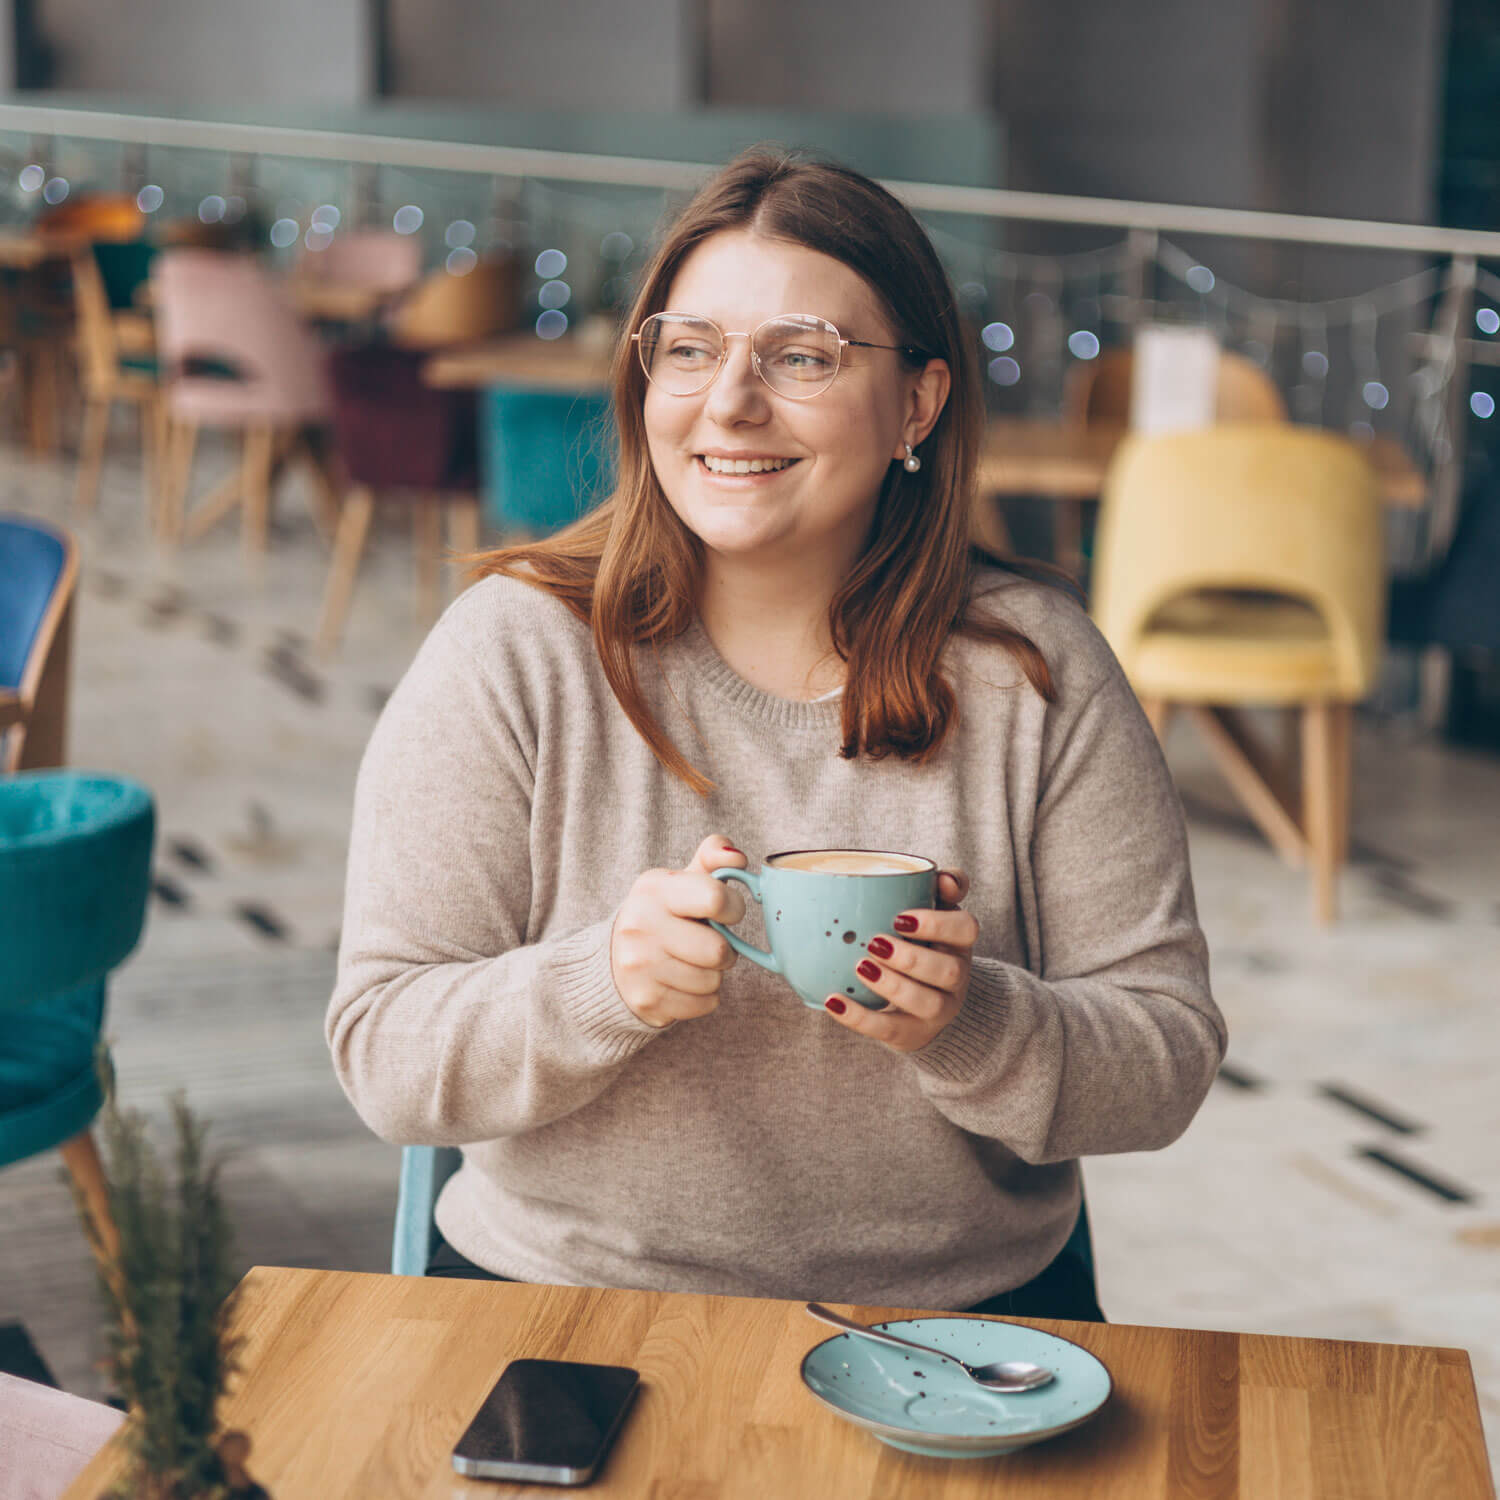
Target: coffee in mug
(822, 906)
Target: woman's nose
(737, 393)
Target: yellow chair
(1243, 564)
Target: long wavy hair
(630, 569)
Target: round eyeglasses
(796, 354)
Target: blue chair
(544, 456)
(424, 1170)
(38, 573)
(75, 872)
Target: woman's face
(840, 443)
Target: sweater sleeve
(446, 1025)
(1114, 1043)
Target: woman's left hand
(922, 972)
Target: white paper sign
(1174, 378)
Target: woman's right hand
(666, 962)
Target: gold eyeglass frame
(908, 349)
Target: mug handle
(740, 946)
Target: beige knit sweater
(505, 806)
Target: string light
(407, 219)
(1482, 404)
(997, 337)
(150, 198)
(552, 324)
(550, 264)
(1488, 320)
(1004, 371)
(459, 234)
(554, 294)
(284, 232)
(31, 178)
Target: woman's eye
(801, 361)
(689, 354)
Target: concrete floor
(1341, 1181)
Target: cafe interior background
(1156, 214)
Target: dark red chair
(397, 437)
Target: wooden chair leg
(81, 1157)
(427, 522)
(463, 536)
(1240, 768)
(1343, 770)
(151, 456)
(1067, 536)
(177, 478)
(1159, 713)
(91, 453)
(259, 457)
(348, 548)
(1319, 805)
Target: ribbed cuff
(965, 1048)
(586, 987)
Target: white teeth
(743, 465)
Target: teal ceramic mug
(822, 906)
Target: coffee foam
(850, 862)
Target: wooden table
(1067, 461)
(358, 1386)
(568, 363)
(24, 248)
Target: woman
(772, 635)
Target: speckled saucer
(925, 1405)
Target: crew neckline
(702, 657)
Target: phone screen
(546, 1420)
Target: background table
(359, 1386)
(522, 359)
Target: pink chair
(234, 354)
(376, 258)
(47, 1437)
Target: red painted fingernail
(730, 849)
(880, 947)
(903, 923)
(834, 1004)
(866, 970)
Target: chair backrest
(544, 454)
(124, 265)
(47, 1437)
(222, 307)
(39, 567)
(424, 1170)
(1265, 507)
(1097, 391)
(75, 873)
(376, 258)
(392, 430)
(444, 308)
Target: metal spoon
(1009, 1377)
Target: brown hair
(630, 569)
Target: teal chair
(544, 456)
(424, 1170)
(75, 872)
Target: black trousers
(1065, 1289)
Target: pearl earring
(911, 463)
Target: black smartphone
(546, 1421)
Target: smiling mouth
(745, 465)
